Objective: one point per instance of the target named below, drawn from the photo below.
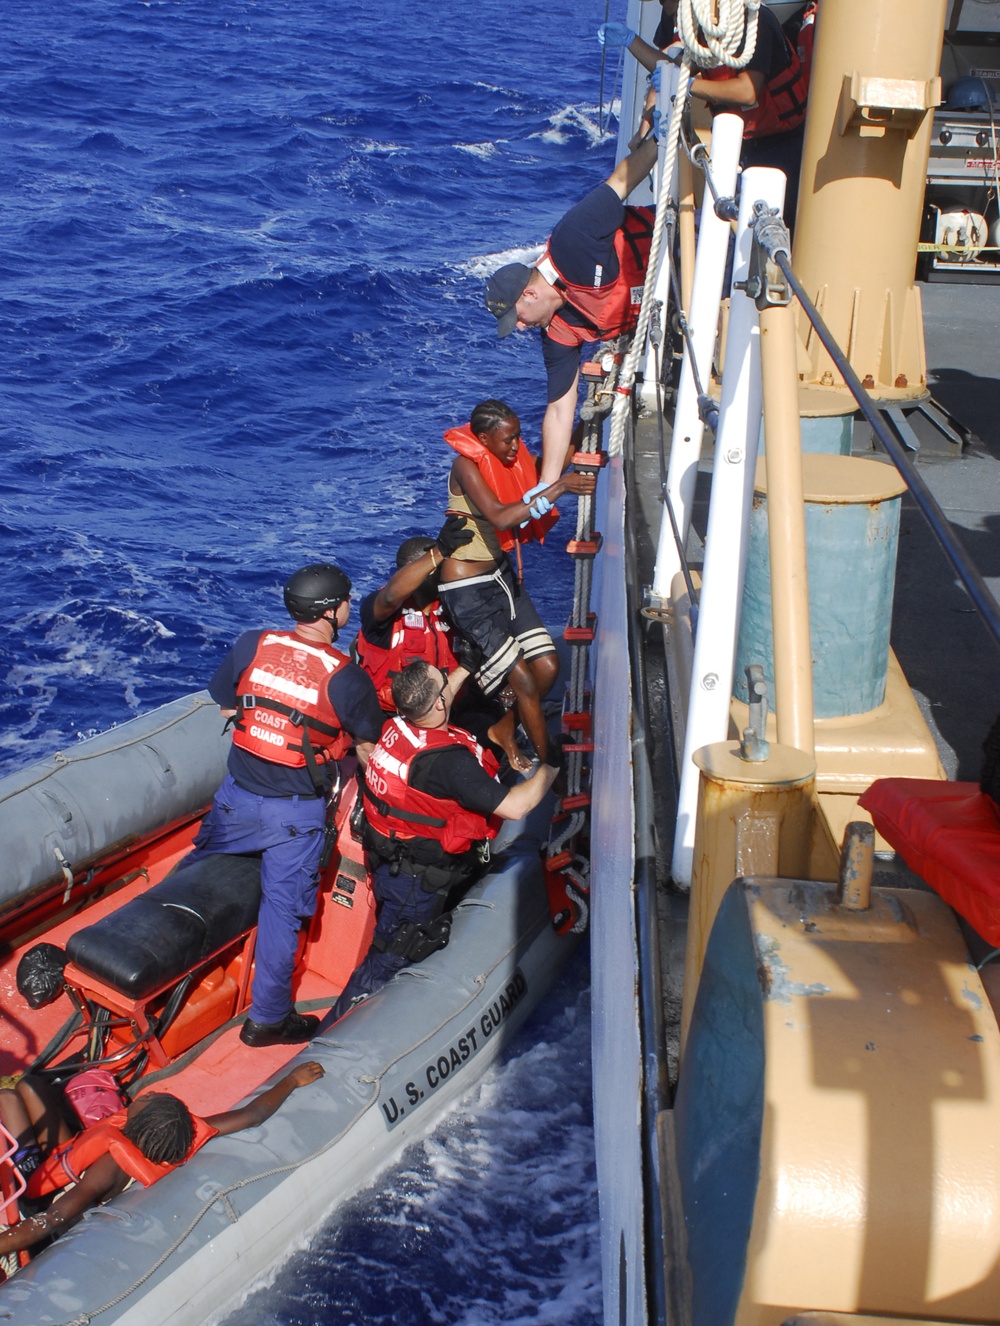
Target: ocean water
(241, 257)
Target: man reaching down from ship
(432, 804)
(142, 1142)
(586, 287)
(298, 705)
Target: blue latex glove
(659, 123)
(528, 497)
(539, 507)
(611, 35)
(655, 78)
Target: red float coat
(782, 104)
(510, 483)
(68, 1163)
(395, 810)
(282, 694)
(415, 635)
(609, 309)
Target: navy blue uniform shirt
(583, 248)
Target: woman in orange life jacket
(478, 586)
(144, 1141)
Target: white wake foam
(485, 264)
(585, 120)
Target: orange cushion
(949, 834)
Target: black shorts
(496, 614)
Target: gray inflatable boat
(186, 1250)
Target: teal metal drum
(825, 426)
(852, 532)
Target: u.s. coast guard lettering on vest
(405, 1097)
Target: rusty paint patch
(773, 973)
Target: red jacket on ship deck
(782, 104)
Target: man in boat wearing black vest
(586, 287)
(298, 705)
(432, 804)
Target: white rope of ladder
(716, 44)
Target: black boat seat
(159, 937)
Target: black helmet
(314, 590)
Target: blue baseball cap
(504, 288)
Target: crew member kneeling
(432, 803)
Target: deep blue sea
(241, 257)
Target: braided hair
(163, 1129)
(489, 415)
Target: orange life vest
(609, 309)
(782, 104)
(428, 635)
(397, 811)
(805, 39)
(509, 482)
(69, 1162)
(282, 696)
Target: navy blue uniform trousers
(288, 832)
(399, 898)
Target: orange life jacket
(782, 104)
(397, 811)
(282, 696)
(609, 309)
(806, 38)
(509, 482)
(428, 635)
(69, 1162)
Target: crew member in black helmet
(297, 706)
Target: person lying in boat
(582, 289)
(432, 804)
(299, 705)
(493, 488)
(145, 1140)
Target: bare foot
(519, 762)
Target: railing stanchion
(786, 529)
(728, 521)
(703, 316)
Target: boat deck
(955, 679)
(211, 1077)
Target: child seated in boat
(151, 1136)
(493, 487)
